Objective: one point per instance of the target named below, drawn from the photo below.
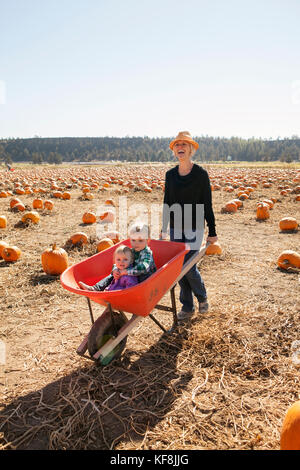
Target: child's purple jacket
(123, 282)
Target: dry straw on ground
(223, 380)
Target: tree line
(144, 149)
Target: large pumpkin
(54, 260)
(290, 432)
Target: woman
(187, 189)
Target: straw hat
(186, 136)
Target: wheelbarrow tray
(139, 300)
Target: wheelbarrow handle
(190, 263)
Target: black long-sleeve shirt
(191, 190)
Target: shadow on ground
(98, 408)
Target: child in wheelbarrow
(135, 269)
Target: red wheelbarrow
(108, 335)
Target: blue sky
(81, 68)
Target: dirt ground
(222, 380)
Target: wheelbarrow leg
(157, 322)
(167, 309)
(173, 300)
(90, 309)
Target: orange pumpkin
(11, 253)
(289, 260)
(57, 194)
(113, 235)
(290, 432)
(54, 260)
(37, 204)
(32, 216)
(2, 246)
(107, 216)
(109, 202)
(269, 202)
(14, 201)
(262, 211)
(3, 221)
(19, 207)
(89, 218)
(213, 249)
(288, 223)
(79, 238)
(230, 207)
(104, 244)
(48, 205)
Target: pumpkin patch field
(223, 380)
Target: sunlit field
(223, 380)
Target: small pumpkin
(14, 201)
(48, 205)
(104, 244)
(54, 260)
(230, 207)
(37, 203)
(57, 194)
(11, 253)
(89, 218)
(32, 216)
(262, 211)
(19, 207)
(107, 216)
(3, 221)
(289, 260)
(214, 249)
(113, 235)
(2, 246)
(109, 202)
(79, 238)
(270, 203)
(288, 223)
(290, 431)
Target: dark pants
(192, 282)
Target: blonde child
(143, 264)
(123, 259)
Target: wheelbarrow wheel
(103, 329)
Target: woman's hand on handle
(212, 239)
